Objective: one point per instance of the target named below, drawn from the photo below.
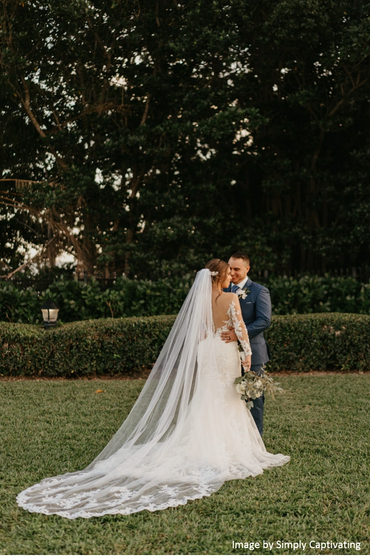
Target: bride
(187, 433)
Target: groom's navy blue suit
(256, 311)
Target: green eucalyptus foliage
(127, 345)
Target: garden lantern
(49, 313)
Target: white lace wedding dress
(187, 434)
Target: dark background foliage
(143, 297)
(162, 134)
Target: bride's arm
(239, 326)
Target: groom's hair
(242, 256)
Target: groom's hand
(229, 336)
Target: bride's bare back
(227, 312)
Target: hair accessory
(214, 273)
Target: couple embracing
(255, 306)
(188, 431)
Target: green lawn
(323, 494)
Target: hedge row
(80, 301)
(320, 342)
(127, 298)
(313, 294)
(127, 345)
(110, 346)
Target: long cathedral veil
(164, 400)
(127, 474)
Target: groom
(256, 311)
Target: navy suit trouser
(257, 409)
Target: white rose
(240, 389)
(241, 293)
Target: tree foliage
(159, 134)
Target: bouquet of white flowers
(252, 385)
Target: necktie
(234, 288)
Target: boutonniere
(243, 293)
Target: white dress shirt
(242, 283)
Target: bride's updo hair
(219, 270)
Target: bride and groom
(189, 431)
(255, 305)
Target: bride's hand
(247, 363)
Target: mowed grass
(323, 494)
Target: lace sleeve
(239, 326)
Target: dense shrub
(320, 342)
(86, 301)
(127, 298)
(313, 294)
(127, 345)
(105, 346)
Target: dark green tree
(161, 134)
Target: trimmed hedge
(128, 345)
(110, 346)
(319, 342)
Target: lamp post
(49, 313)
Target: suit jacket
(256, 311)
